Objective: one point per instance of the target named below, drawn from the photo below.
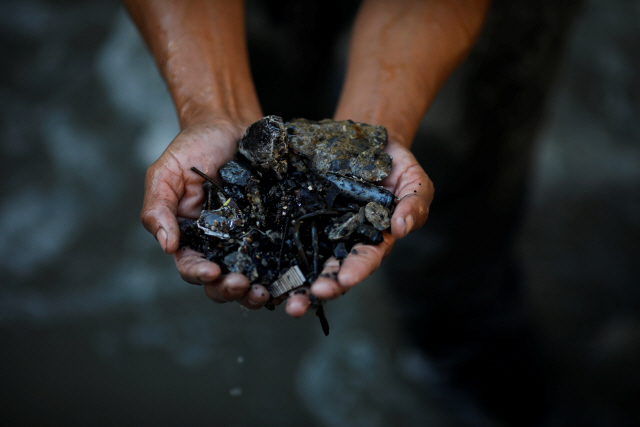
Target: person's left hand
(414, 190)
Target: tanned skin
(401, 53)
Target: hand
(411, 185)
(173, 192)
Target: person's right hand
(174, 192)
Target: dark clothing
(461, 295)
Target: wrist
(200, 49)
(400, 127)
(204, 86)
(233, 129)
(192, 112)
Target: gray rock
(264, 145)
(346, 148)
(377, 215)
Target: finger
(212, 290)
(410, 214)
(257, 296)
(363, 260)
(227, 288)
(298, 302)
(195, 269)
(326, 286)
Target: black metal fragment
(340, 251)
(323, 320)
(281, 211)
(235, 173)
(362, 191)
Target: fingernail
(402, 223)
(161, 237)
(408, 224)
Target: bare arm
(401, 53)
(200, 49)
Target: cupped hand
(414, 192)
(174, 192)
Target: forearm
(200, 49)
(400, 55)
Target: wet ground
(97, 327)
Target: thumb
(159, 210)
(414, 190)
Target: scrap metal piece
(218, 223)
(361, 191)
(324, 323)
(291, 279)
(235, 173)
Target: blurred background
(97, 328)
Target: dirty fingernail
(408, 224)
(401, 223)
(161, 237)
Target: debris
(296, 194)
